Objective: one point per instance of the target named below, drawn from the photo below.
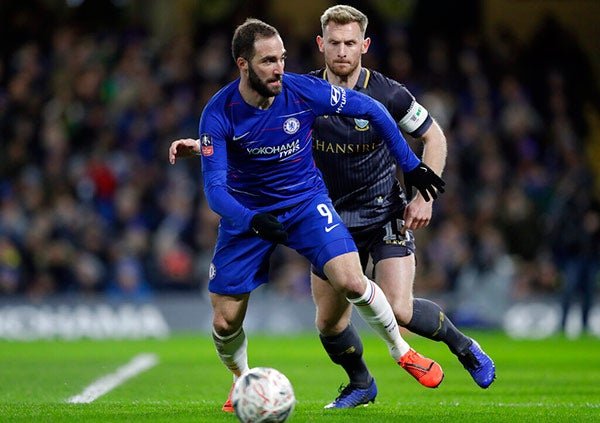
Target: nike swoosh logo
(237, 137)
(330, 228)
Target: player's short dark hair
(246, 35)
(343, 14)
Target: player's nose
(279, 67)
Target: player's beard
(342, 71)
(261, 87)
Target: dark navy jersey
(257, 160)
(357, 166)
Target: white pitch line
(138, 364)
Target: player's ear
(365, 45)
(242, 63)
(320, 43)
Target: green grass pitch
(551, 380)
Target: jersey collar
(363, 78)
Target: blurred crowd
(90, 205)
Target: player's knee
(402, 318)
(345, 275)
(330, 328)
(348, 284)
(333, 320)
(223, 327)
(403, 313)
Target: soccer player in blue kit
(360, 174)
(260, 177)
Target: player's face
(266, 67)
(342, 46)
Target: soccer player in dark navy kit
(360, 173)
(259, 176)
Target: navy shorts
(381, 242)
(241, 261)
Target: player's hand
(266, 226)
(186, 147)
(417, 214)
(425, 180)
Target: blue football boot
(478, 364)
(352, 396)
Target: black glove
(425, 180)
(266, 226)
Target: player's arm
(263, 225)
(213, 149)
(214, 129)
(414, 119)
(419, 175)
(435, 148)
(416, 173)
(418, 212)
(214, 176)
(221, 202)
(327, 99)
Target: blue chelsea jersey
(256, 160)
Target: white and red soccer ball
(263, 394)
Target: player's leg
(343, 345)
(239, 265)
(345, 276)
(317, 232)
(394, 273)
(374, 308)
(228, 335)
(333, 310)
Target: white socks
(377, 312)
(372, 306)
(233, 351)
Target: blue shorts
(241, 261)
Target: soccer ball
(263, 394)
